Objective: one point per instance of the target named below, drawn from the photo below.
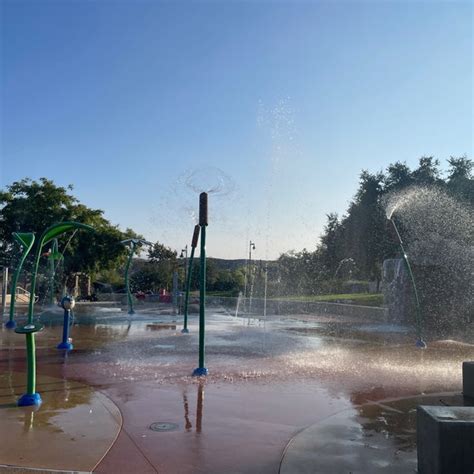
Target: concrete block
(445, 440)
(468, 379)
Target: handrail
(21, 291)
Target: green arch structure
(133, 244)
(31, 397)
(26, 241)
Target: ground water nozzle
(203, 220)
(421, 344)
(67, 303)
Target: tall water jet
(203, 222)
(419, 342)
(31, 397)
(53, 255)
(194, 242)
(26, 241)
(132, 244)
(438, 237)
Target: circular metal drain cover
(163, 426)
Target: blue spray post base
(10, 324)
(29, 399)
(421, 344)
(200, 371)
(185, 331)
(65, 345)
(131, 312)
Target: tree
(460, 182)
(32, 206)
(428, 172)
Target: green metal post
(189, 276)
(133, 244)
(31, 359)
(201, 370)
(127, 280)
(202, 298)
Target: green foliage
(363, 234)
(157, 272)
(33, 206)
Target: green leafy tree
(32, 206)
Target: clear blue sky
(290, 99)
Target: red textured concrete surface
(267, 382)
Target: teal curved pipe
(133, 243)
(31, 397)
(194, 242)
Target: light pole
(247, 273)
(184, 255)
(251, 247)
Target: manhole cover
(163, 426)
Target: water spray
(31, 397)
(53, 256)
(26, 240)
(132, 243)
(419, 342)
(194, 243)
(67, 303)
(203, 222)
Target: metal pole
(175, 289)
(202, 298)
(201, 370)
(65, 344)
(127, 280)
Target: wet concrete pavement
(268, 381)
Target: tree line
(349, 253)
(353, 246)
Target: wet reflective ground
(267, 381)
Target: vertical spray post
(194, 242)
(67, 303)
(203, 221)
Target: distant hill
(219, 263)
